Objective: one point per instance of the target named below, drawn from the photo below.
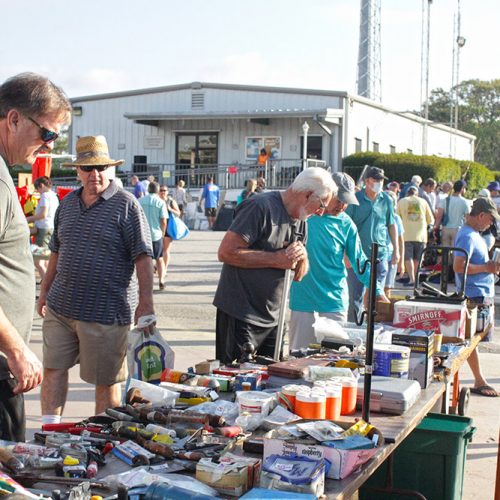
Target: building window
(409, 151)
(392, 149)
(357, 145)
(375, 146)
(314, 147)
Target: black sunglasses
(89, 168)
(46, 134)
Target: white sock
(51, 419)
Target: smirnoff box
(447, 319)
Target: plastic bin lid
(445, 423)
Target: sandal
(485, 390)
(162, 286)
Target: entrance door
(196, 152)
(314, 147)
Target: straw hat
(92, 150)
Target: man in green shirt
(374, 218)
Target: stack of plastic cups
(333, 400)
(310, 403)
(349, 393)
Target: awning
(153, 118)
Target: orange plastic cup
(311, 405)
(349, 393)
(333, 401)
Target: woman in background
(180, 196)
(173, 209)
(44, 219)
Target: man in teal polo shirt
(156, 213)
(374, 218)
(324, 288)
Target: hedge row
(402, 167)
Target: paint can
(391, 360)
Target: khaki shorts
(448, 236)
(99, 349)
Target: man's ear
(13, 119)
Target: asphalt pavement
(186, 318)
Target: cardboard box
(447, 319)
(206, 367)
(471, 322)
(421, 344)
(227, 478)
(253, 466)
(343, 462)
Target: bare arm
(174, 208)
(489, 267)
(163, 225)
(144, 268)
(393, 234)
(234, 250)
(22, 362)
(47, 283)
(39, 216)
(439, 217)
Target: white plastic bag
(148, 356)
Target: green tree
(61, 144)
(478, 114)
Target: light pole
(426, 103)
(305, 129)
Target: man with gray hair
(265, 238)
(324, 289)
(32, 112)
(416, 180)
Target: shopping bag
(176, 227)
(148, 356)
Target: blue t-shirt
(481, 284)
(373, 219)
(139, 190)
(324, 287)
(211, 194)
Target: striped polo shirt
(97, 247)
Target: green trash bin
(431, 460)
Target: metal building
(177, 127)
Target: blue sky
(95, 46)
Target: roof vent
(197, 100)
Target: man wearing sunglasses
(256, 250)
(32, 112)
(89, 298)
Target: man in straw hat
(89, 295)
(480, 278)
(32, 112)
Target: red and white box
(447, 319)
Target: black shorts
(12, 419)
(158, 249)
(232, 333)
(210, 212)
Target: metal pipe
(369, 332)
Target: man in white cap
(88, 298)
(324, 288)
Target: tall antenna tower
(369, 82)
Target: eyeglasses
(46, 135)
(89, 168)
(322, 206)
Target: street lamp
(305, 129)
